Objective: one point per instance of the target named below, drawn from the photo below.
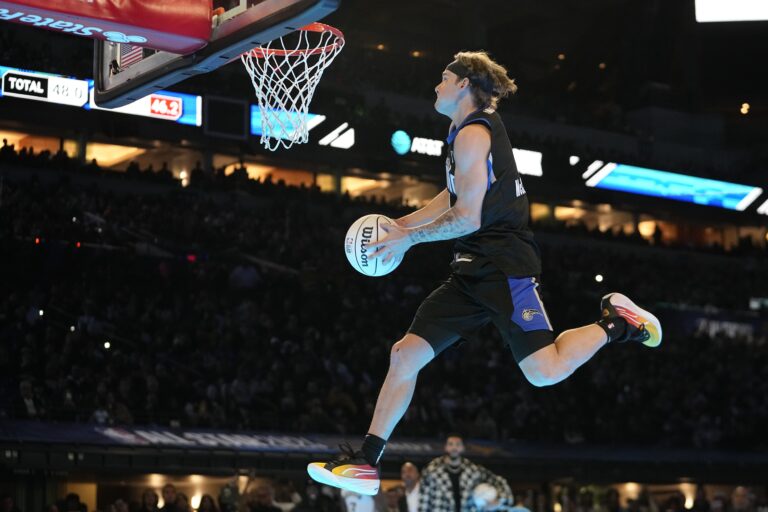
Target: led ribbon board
(285, 119)
(679, 187)
(50, 88)
(32, 85)
(170, 106)
(733, 10)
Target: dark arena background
(180, 328)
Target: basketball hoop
(285, 73)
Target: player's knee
(403, 359)
(541, 375)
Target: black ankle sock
(614, 327)
(373, 448)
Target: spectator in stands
(149, 501)
(169, 499)
(28, 406)
(391, 500)
(263, 500)
(207, 504)
(314, 500)
(675, 503)
(719, 503)
(182, 503)
(519, 505)
(72, 503)
(742, 500)
(410, 476)
(286, 496)
(7, 504)
(229, 496)
(610, 501)
(448, 481)
(700, 502)
(119, 506)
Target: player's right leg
(357, 471)
(446, 315)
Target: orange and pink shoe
(348, 471)
(642, 326)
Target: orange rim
(260, 53)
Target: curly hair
(488, 79)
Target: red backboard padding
(178, 26)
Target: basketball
(361, 233)
(484, 495)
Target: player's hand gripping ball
(360, 235)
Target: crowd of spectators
(233, 308)
(283, 495)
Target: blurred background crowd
(235, 308)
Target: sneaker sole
(637, 316)
(319, 474)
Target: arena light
(678, 187)
(593, 168)
(528, 162)
(108, 155)
(708, 11)
(342, 137)
(763, 208)
(744, 108)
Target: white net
(285, 76)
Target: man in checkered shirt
(448, 481)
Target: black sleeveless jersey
(504, 236)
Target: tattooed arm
(437, 206)
(471, 149)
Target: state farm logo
(25, 85)
(119, 37)
(68, 27)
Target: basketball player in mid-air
(495, 269)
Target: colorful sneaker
(642, 326)
(348, 471)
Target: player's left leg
(555, 362)
(622, 320)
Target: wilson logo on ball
(367, 234)
(363, 232)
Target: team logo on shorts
(528, 314)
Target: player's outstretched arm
(472, 146)
(436, 207)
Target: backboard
(124, 73)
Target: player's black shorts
(477, 293)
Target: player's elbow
(470, 220)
